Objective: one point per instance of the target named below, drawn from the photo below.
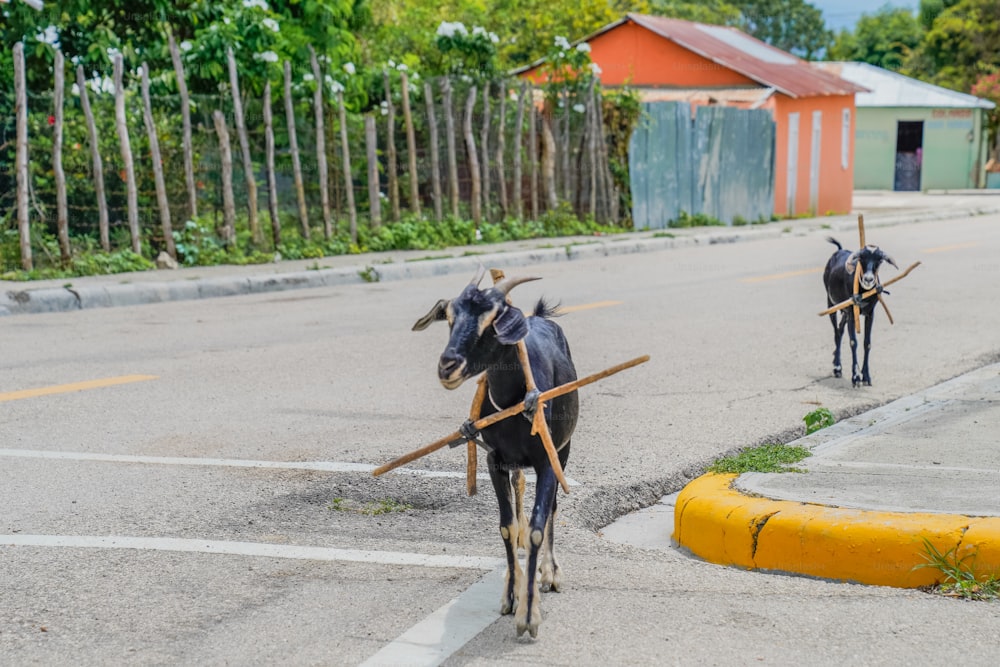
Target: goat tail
(546, 310)
(835, 242)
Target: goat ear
(436, 314)
(852, 262)
(510, 325)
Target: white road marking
(434, 639)
(321, 466)
(258, 549)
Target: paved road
(283, 401)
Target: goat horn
(507, 284)
(478, 278)
(886, 258)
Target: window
(845, 140)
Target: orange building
(675, 60)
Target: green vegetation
(818, 419)
(373, 508)
(766, 458)
(685, 220)
(961, 578)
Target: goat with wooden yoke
(845, 272)
(484, 338)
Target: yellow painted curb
(721, 525)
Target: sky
(845, 13)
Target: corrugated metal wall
(720, 164)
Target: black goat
(839, 281)
(485, 330)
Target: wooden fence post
(182, 90)
(226, 158)
(411, 145)
(154, 149)
(549, 154)
(563, 147)
(293, 147)
(21, 159)
(449, 128)
(352, 211)
(390, 148)
(121, 122)
(62, 214)
(592, 148)
(435, 157)
(533, 150)
(323, 173)
(470, 147)
(518, 147)
(501, 148)
(241, 133)
(272, 185)
(95, 158)
(374, 193)
(485, 140)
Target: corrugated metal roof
(747, 55)
(890, 89)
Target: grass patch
(961, 579)
(429, 258)
(766, 458)
(373, 508)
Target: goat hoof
(530, 625)
(837, 373)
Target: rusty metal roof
(747, 55)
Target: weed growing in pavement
(766, 458)
(369, 274)
(960, 577)
(817, 419)
(374, 508)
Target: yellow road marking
(587, 306)
(779, 276)
(954, 246)
(74, 386)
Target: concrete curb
(56, 299)
(721, 525)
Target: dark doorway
(909, 154)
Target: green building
(911, 135)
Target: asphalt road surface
(205, 496)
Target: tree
(988, 87)
(885, 38)
(962, 44)
(791, 25)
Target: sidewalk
(129, 289)
(924, 467)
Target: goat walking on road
(485, 331)
(838, 278)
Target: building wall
(836, 156)
(950, 159)
(630, 54)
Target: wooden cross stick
(847, 302)
(472, 460)
(857, 307)
(539, 426)
(489, 420)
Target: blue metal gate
(720, 164)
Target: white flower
(214, 27)
(308, 77)
(75, 90)
(447, 29)
(336, 87)
(225, 19)
(49, 36)
(349, 68)
(266, 56)
(478, 30)
(595, 69)
(583, 47)
(579, 108)
(270, 24)
(402, 67)
(186, 45)
(562, 42)
(250, 4)
(562, 54)
(494, 38)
